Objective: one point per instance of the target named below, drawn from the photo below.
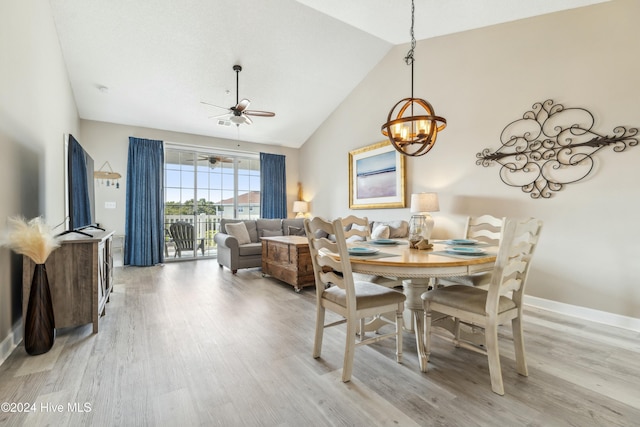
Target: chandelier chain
(409, 58)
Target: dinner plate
(384, 242)
(358, 250)
(461, 242)
(463, 250)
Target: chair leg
(349, 350)
(456, 338)
(518, 342)
(491, 337)
(361, 334)
(317, 342)
(399, 327)
(427, 334)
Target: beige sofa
(235, 253)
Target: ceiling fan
(239, 113)
(215, 160)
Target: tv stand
(80, 274)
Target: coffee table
(287, 258)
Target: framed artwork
(377, 177)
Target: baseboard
(11, 341)
(598, 316)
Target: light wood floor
(189, 344)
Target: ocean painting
(376, 176)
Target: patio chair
(182, 234)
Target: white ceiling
(156, 60)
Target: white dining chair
(356, 228)
(488, 308)
(337, 291)
(485, 229)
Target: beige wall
(36, 109)
(110, 142)
(482, 80)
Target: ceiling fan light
(237, 120)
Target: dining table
(418, 270)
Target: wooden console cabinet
(80, 274)
(287, 258)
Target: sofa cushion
(250, 249)
(268, 224)
(271, 233)
(239, 231)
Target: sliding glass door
(201, 188)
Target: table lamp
(300, 208)
(421, 224)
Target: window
(202, 187)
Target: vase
(39, 329)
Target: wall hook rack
(107, 176)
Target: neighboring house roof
(250, 198)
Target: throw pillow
(271, 233)
(359, 227)
(296, 231)
(397, 229)
(380, 232)
(239, 231)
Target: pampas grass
(31, 238)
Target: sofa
(240, 246)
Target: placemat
(475, 245)
(372, 256)
(445, 253)
(377, 245)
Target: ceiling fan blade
(219, 116)
(259, 113)
(247, 120)
(213, 105)
(242, 105)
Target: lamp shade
(424, 202)
(300, 207)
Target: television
(80, 195)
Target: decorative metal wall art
(551, 146)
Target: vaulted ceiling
(152, 63)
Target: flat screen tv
(79, 186)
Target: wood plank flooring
(190, 344)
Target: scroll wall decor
(550, 147)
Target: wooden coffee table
(287, 258)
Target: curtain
(144, 222)
(273, 186)
(80, 201)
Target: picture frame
(377, 177)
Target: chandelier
(412, 126)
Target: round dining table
(418, 270)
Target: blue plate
(358, 250)
(461, 242)
(384, 242)
(463, 250)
